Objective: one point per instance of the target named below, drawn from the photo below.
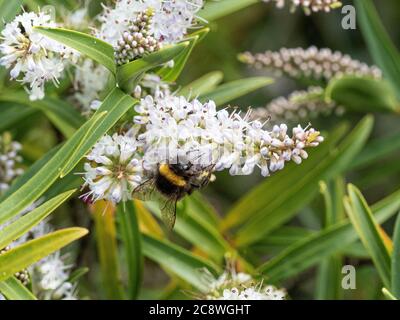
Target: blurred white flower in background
(299, 105)
(308, 6)
(9, 160)
(90, 79)
(314, 63)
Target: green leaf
(388, 294)
(29, 220)
(171, 74)
(60, 113)
(362, 94)
(202, 210)
(382, 49)
(69, 4)
(235, 89)
(202, 85)
(214, 10)
(329, 276)
(396, 259)
(266, 216)
(77, 274)
(13, 289)
(280, 239)
(104, 218)
(65, 117)
(120, 103)
(133, 71)
(32, 251)
(13, 115)
(94, 48)
(377, 150)
(68, 156)
(29, 173)
(312, 249)
(377, 175)
(196, 231)
(368, 230)
(131, 239)
(178, 261)
(8, 10)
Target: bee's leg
(194, 186)
(204, 183)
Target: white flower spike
(170, 23)
(171, 129)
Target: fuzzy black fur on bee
(173, 182)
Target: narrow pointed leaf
(131, 72)
(202, 85)
(60, 113)
(214, 10)
(29, 220)
(131, 239)
(13, 289)
(201, 234)
(32, 251)
(381, 47)
(388, 294)
(396, 260)
(178, 261)
(171, 74)
(312, 249)
(104, 217)
(329, 278)
(121, 104)
(147, 222)
(362, 94)
(69, 155)
(29, 173)
(77, 274)
(368, 231)
(14, 115)
(328, 282)
(8, 10)
(376, 150)
(235, 89)
(92, 47)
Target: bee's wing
(146, 191)
(168, 211)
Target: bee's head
(181, 168)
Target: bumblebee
(173, 182)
